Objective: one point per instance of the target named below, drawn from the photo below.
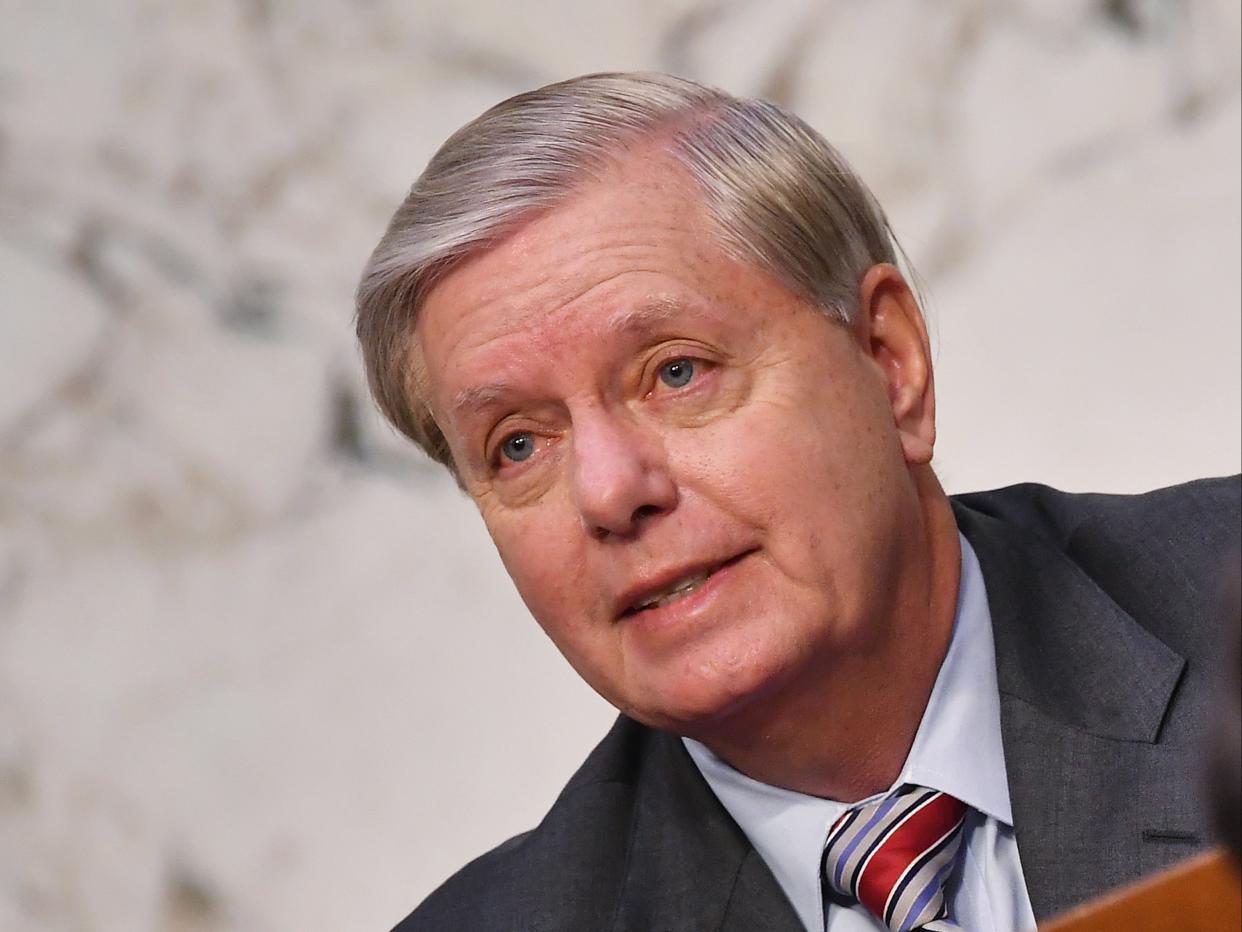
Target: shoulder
(1161, 555)
(564, 874)
(1197, 510)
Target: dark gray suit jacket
(1106, 626)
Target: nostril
(645, 511)
(603, 531)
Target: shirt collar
(957, 749)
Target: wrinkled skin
(627, 406)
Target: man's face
(692, 476)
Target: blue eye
(518, 446)
(677, 373)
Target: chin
(701, 699)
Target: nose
(620, 474)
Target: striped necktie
(895, 855)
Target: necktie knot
(895, 855)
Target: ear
(892, 332)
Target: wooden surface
(1203, 894)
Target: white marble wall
(259, 669)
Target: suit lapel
(757, 902)
(1084, 690)
(690, 867)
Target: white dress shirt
(957, 749)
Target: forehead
(628, 254)
(635, 219)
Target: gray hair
(778, 194)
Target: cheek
(809, 477)
(544, 563)
(766, 462)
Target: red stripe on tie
(903, 847)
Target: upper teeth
(674, 592)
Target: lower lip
(688, 605)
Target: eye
(677, 373)
(518, 446)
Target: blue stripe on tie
(858, 836)
(925, 897)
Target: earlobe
(895, 336)
(917, 450)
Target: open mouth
(679, 588)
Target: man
(660, 337)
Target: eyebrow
(636, 319)
(645, 316)
(479, 397)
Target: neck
(842, 728)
